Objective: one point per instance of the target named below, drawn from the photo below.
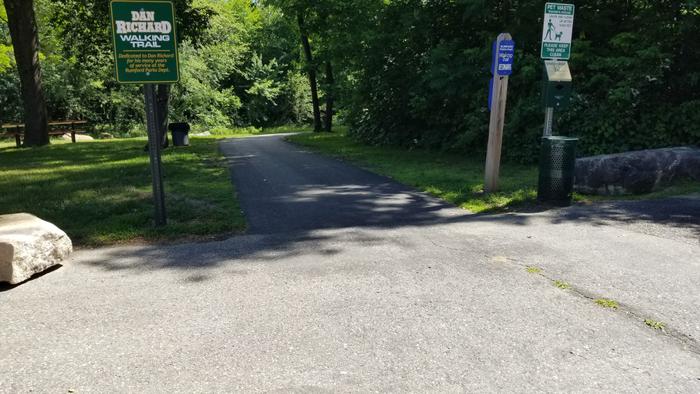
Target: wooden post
(72, 131)
(18, 137)
(498, 113)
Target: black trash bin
(180, 132)
(557, 169)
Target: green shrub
(423, 76)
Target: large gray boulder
(29, 245)
(636, 172)
(78, 137)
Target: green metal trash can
(557, 169)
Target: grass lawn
(458, 179)
(100, 192)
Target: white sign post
(557, 31)
(558, 26)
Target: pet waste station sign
(145, 50)
(557, 31)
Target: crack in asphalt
(687, 342)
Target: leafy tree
(238, 68)
(402, 72)
(330, 31)
(241, 71)
(10, 105)
(5, 44)
(301, 10)
(89, 41)
(421, 78)
(25, 42)
(311, 67)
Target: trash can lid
(180, 127)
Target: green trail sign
(557, 31)
(145, 50)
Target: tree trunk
(330, 90)
(311, 69)
(25, 41)
(162, 100)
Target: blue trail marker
(504, 57)
(501, 62)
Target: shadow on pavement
(676, 212)
(288, 195)
(4, 286)
(197, 258)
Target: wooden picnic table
(55, 128)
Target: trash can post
(557, 170)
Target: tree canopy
(5, 48)
(402, 72)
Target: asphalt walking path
(350, 282)
(284, 188)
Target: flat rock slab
(29, 245)
(636, 172)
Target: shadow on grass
(236, 254)
(94, 152)
(100, 192)
(302, 204)
(453, 177)
(458, 179)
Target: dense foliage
(238, 66)
(400, 72)
(636, 68)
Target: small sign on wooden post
(145, 52)
(502, 67)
